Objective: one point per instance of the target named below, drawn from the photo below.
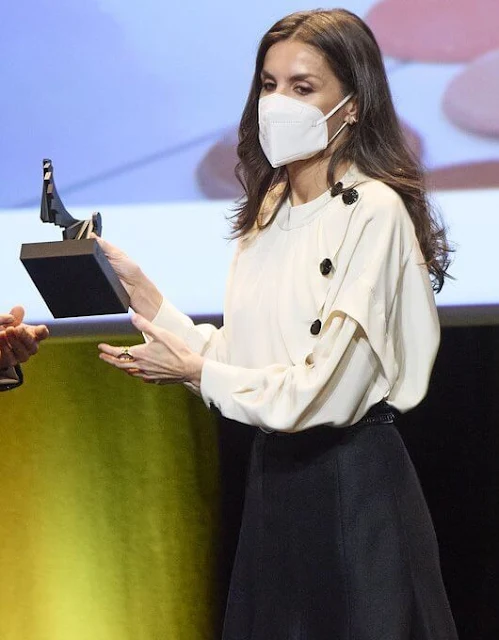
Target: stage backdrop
(138, 107)
(109, 489)
(120, 501)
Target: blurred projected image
(443, 60)
(135, 110)
(138, 106)
(462, 38)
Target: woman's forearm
(145, 298)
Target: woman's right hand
(128, 271)
(145, 298)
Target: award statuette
(73, 276)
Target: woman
(330, 326)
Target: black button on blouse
(315, 327)
(350, 196)
(337, 189)
(325, 266)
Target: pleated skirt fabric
(336, 542)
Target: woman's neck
(308, 178)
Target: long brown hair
(376, 144)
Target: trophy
(73, 276)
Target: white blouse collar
(290, 217)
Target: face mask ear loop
(334, 110)
(345, 124)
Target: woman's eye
(268, 86)
(303, 91)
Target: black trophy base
(74, 278)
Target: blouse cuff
(171, 319)
(218, 382)
(214, 381)
(196, 337)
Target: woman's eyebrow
(293, 78)
(304, 76)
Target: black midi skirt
(336, 541)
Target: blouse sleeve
(204, 339)
(327, 388)
(356, 359)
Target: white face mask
(293, 130)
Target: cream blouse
(328, 311)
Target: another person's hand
(18, 341)
(145, 298)
(164, 359)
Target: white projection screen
(137, 105)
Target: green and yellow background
(109, 514)
(120, 501)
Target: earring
(352, 120)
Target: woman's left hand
(164, 359)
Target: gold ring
(125, 354)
